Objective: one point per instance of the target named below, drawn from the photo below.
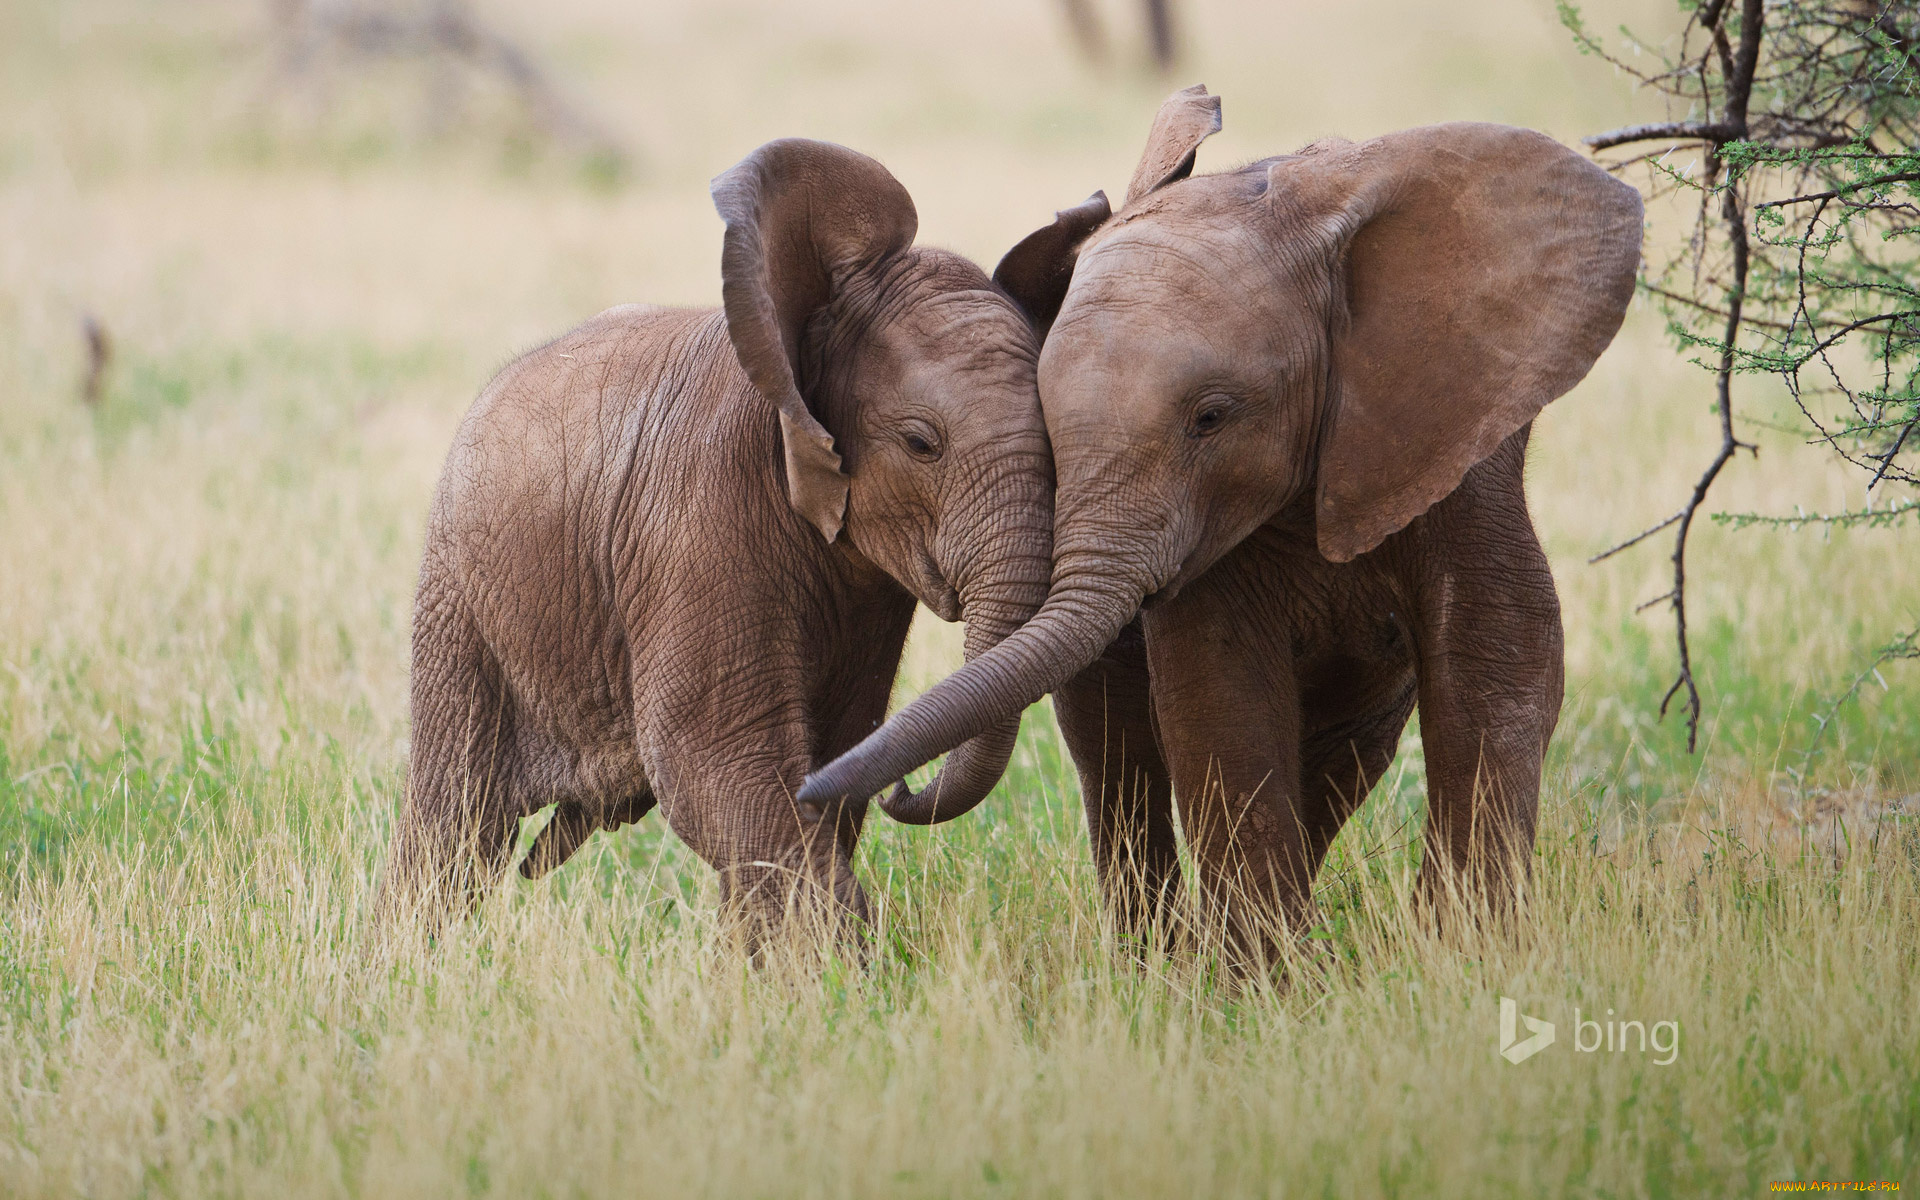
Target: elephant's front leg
(1106, 716)
(1229, 718)
(854, 703)
(782, 870)
(726, 788)
(1491, 663)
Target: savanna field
(206, 582)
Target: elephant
(674, 553)
(1289, 407)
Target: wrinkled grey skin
(1288, 406)
(674, 553)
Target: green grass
(191, 1005)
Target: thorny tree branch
(1732, 126)
(1819, 99)
(1717, 132)
(1703, 306)
(1835, 193)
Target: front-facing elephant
(1289, 407)
(675, 552)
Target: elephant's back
(549, 444)
(525, 517)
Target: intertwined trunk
(1011, 516)
(1090, 601)
(973, 768)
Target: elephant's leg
(1491, 663)
(1106, 716)
(1347, 744)
(577, 818)
(455, 832)
(1228, 712)
(858, 706)
(727, 744)
(732, 804)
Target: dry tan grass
(217, 1026)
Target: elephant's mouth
(943, 601)
(935, 592)
(1166, 591)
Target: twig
(1704, 307)
(1836, 193)
(99, 355)
(1647, 604)
(1872, 518)
(1671, 131)
(1635, 540)
(1906, 645)
(1886, 460)
(1740, 85)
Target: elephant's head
(1361, 323)
(904, 382)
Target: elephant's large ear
(1036, 272)
(802, 216)
(1486, 269)
(1187, 118)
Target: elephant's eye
(922, 446)
(1210, 417)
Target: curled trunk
(1000, 595)
(1085, 610)
(975, 765)
(1000, 591)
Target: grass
(204, 596)
(201, 1014)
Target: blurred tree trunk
(1090, 37)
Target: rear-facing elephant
(674, 553)
(1289, 408)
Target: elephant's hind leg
(576, 820)
(1491, 680)
(1345, 748)
(455, 832)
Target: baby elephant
(674, 554)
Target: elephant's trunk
(976, 764)
(1090, 602)
(998, 595)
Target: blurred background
(256, 256)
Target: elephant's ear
(1487, 267)
(802, 216)
(1036, 271)
(1187, 118)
